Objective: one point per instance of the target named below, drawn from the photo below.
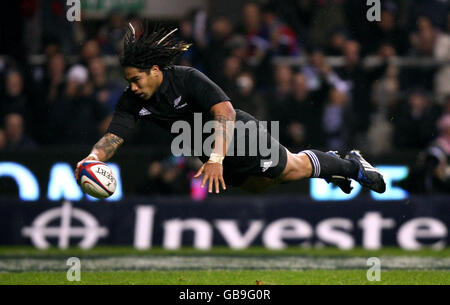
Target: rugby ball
(96, 179)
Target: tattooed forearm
(224, 133)
(107, 146)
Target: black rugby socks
(325, 165)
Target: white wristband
(93, 155)
(216, 158)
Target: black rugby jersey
(183, 92)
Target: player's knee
(298, 167)
(302, 166)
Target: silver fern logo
(176, 103)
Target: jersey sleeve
(203, 91)
(124, 118)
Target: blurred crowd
(333, 98)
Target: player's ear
(154, 70)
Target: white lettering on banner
(334, 231)
(392, 174)
(320, 190)
(62, 185)
(424, 228)
(413, 234)
(230, 232)
(89, 232)
(143, 229)
(326, 231)
(372, 225)
(285, 228)
(27, 183)
(173, 230)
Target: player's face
(143, 83)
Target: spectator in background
(218, 48)
(415, 123)
(435, 10)
(359, 106)
(16, 138)
(300, 123)
(279, 91)
(327, 15)
(14, 99)
(283, 40)
(153, 183)
(424, 41)
(250, 27)
(105, 91)
(89, 50)
(192, 28)
(446, 107)
(55, 24)
(247, 98)
(47, 92)
(54, 79)
(237, 46)
(430, 172)
(424, 38)
(167, 177)
(174, 178)
(111, 34)
(88, 117)
(185, 33)
(3, 140)
(232, 68)
(283, 80)
(12, 28)
(387, 31)
(317, 72)
(51, 48)
(336, 43)
(32, 26)
(442, 52)
(334, 127)
(440, 149)
(385, 95)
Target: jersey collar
(165, 82)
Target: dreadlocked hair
(144, 47)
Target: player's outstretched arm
(103, 150)
(224, 116)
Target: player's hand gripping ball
(96, 179)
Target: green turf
(244, 276)
(221, 277)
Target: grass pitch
(223, 266)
